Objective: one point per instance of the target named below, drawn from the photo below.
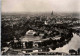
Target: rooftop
(30, 38)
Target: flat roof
(30, 38)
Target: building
(52, 13)
(45, 22)
(30, 32)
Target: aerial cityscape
(39, 33)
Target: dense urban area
(37, 34)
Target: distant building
(52, 13)
(45, 22)
(35, 50)
(41, 34)
(59, 22)
(15, 40)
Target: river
(73, 44)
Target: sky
(20, 6)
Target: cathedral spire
(52, 13)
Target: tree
(72, 52)
(78, 51)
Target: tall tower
(52, 13)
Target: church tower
(52, 13)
